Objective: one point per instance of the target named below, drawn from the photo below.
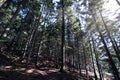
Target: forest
(59, 40)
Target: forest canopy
(81, 37)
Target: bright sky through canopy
(111, 8)
(56, 1)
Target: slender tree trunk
(80, 63)
(34, 36)
(32, 42)
(38, 54)
(65, 59)
(93, 61)
(85, 60)
(29, 39)
(73, 54)
(78, 57)
(63, 40)
(97, 61)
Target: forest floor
(10, 73)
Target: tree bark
(63, 33)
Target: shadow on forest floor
(34, 74)
(45, 71)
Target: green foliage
(36, 30)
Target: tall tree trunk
(63, 40)
(93, 61)
(78, 57)
(38, 54)
(85, 60)
(30, 51)
(29, 39)
(97, 61)
(114, 44)
(111, 61)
